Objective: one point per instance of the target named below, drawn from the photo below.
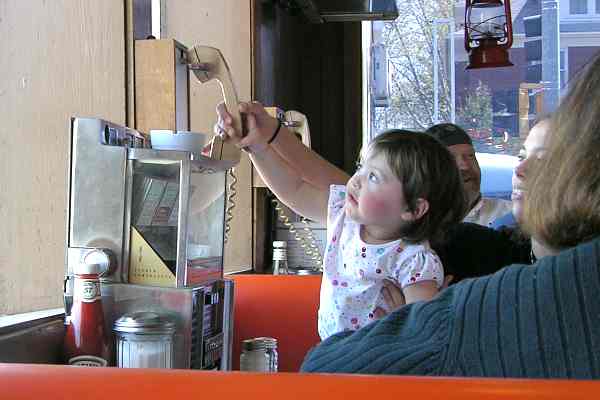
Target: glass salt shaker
(259, 355)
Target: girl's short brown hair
(562, 207)
(427, 170)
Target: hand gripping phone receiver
(208, 63)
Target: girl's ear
(421, 209)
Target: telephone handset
(208, 63)
(297, 123)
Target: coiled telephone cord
(310, 238)
(308, 243)
(231, 193)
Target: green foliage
(409, 41)
(476, 110)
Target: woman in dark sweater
(539, 322)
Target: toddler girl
(406, 191)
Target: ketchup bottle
(86, 342)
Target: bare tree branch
(410, 45)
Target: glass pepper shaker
(259, 355)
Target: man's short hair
(449, 134)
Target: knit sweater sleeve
(536, 321)
(412, 340)
(530, 321)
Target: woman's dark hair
(427, 170)
(562, 208)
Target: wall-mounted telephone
(165, 70)
(305, 239)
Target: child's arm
(419, 274)
(420, 291)
(261, 126)
(394, 297)
(287, 184)
(314, 168)
(296, 174)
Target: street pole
(376, 37)
(436, 61)
(550, 55)
(452, 72)
(436, 96)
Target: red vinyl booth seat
(280, 306)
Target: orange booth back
(280, 306)
(61, 382)
(285, 308)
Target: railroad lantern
(488, 33)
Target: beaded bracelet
(275, 133)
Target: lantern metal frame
(490, 52)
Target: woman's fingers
(250, 121)
(379, 313)
(258, 126)
(224, 128)
(223, 116)
(222, 109)
(447, 281)
(223, 132)
(245, 108)
(253, 107)
(218, 130)
(386, 296)
(392, 295)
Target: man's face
(469, 169)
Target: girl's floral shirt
(353, 271)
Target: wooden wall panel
(57, 59)
(155, 85)
(226, 25)
(315, 69)
(353, 92)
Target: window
(496, 106)
(583, 8)
(577, 7)
(564, 67)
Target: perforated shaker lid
(145, 323)
(95, 262)
(260, 343)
